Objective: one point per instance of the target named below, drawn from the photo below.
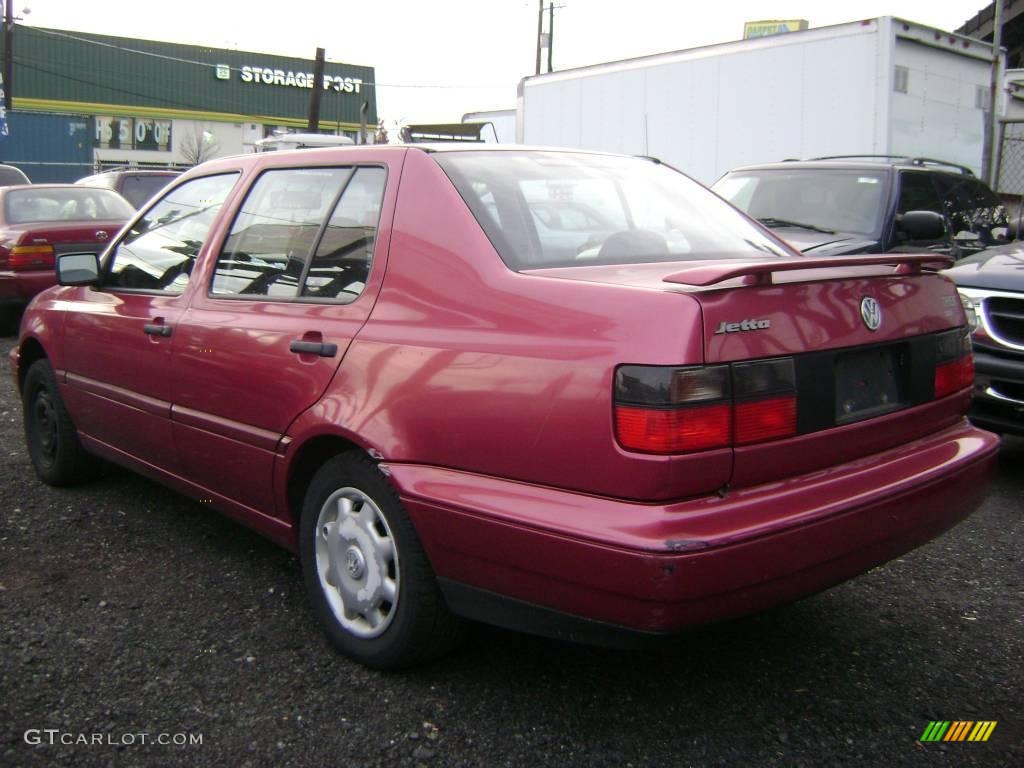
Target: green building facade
(150, 103)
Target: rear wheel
(53, 446)
(367, 574)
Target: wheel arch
(306, 460)
(29, 351)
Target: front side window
(918, 193)
(305, 232)
(159, 251)
(550, 209)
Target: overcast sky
(437, 60)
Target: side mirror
(922, 225)
(78, 269)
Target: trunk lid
(67, 236)
(866, 335)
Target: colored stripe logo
(958, 730)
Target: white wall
(503, 120)
(710, 110)
(939, 115)
(226, 138)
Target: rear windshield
(39, 203)
(833, 199)
(556, 209)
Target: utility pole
(540, 30)
(8, 51)
(313, 126)
(551, 31)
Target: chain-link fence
(1009, 177)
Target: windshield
(831, 199)
(556, 209)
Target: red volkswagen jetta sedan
(565, 392)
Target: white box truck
(881, 86)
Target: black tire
(53, 446)
(371, 586)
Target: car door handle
(157, 329)
(313, 348)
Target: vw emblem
(870, 313)
(102, 235)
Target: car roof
(320, 155)
(864, 162)
(133, 172)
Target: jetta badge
(743, 325)
(870, 313)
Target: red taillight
(765, 420)
(954, 369)
(24, 257)
(954, 376)
(678, 410)
(677, 430)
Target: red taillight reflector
(765, 420)
(673, 430)
(953, 376)
(30, 257)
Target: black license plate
(870, 382)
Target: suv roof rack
(921, 161)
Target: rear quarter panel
(468, 365)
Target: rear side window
(303, 232)
(159, 251)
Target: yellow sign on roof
(772, 27)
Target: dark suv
(869, 204)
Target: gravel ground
(128, 612)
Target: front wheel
(52, 440)
(367, 574)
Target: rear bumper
(998, 401)
(660, 568)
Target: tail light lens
(672, 410)
(22, 257)
(765, 400)
(669, 410)
(954, 363)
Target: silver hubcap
(357, 562)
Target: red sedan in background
(41, 221)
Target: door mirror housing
(78, 269)
(922, 225)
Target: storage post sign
(257, 75)
(132, 133)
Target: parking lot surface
(138, 627)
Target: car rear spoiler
(760, 272)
